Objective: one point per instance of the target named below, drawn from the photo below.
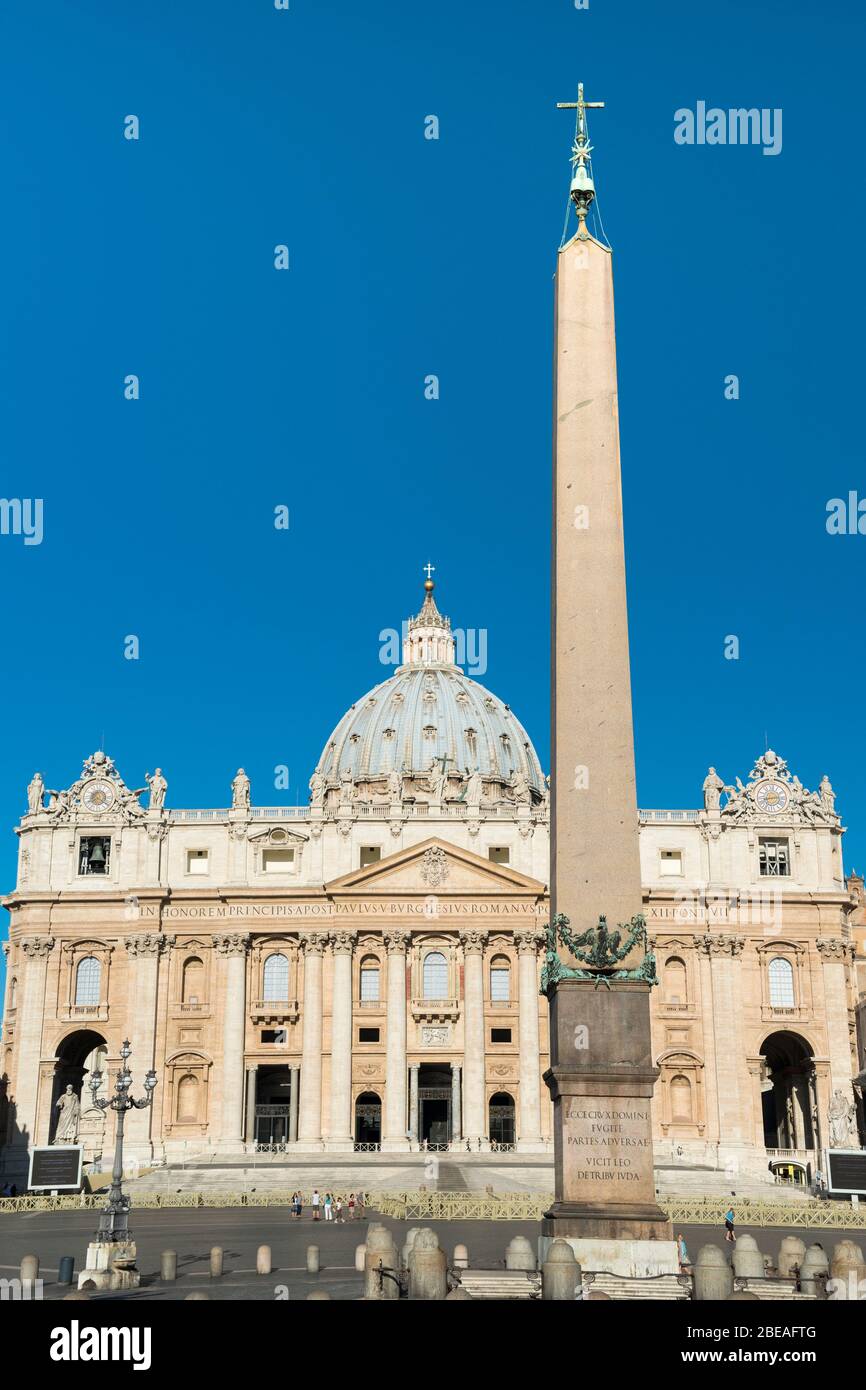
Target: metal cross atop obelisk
(582, 186)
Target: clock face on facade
(771, 797)
(98, 795)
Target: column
(250, 1130)
(143, 950)
(31, 1012)
(834, 955)
(231, 947)
(730, 1055)
(340, 1138)
(456, 1105)
(394, 1129)
(414, 1071)
(474, 941)
(295, 1076)
(310, 1105)
(529, 1132)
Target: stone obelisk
(602, 1075)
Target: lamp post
(114, 1219)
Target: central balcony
(435, 1010)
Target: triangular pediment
(435, 866)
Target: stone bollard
(747, 1258)
(520, 1254)
(714, 1278)
(458, 1293)
(263, 1259)
(67, 1269)
(791, 1253)
(596, 1296)
(168, 1266)
(461, 1257)
(360, 1257)
(428, 1267)
(381, 1255)
(560, 1273)
(407, 1246)
(313, 1259)
(847, 1269)
(317, 1293)
(815, 1271)
(29, 1269)
(216, 1262)
(197, 1298)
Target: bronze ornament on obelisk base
(598, 973)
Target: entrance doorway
(273, 1105)
(502, 1130)
(77, 1056)
(434, 1106)
(790, 1098)
(368, 1122)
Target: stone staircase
(662, 1286)
(501, 1283)
(773, 1288)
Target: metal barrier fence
(472, 1206)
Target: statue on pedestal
(713, 788)
(317, 789)
(35, 792)
(158, 788)
(241, 791)
(67, 1121)
(842, 1117)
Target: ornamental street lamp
(114, 1219)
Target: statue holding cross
(582, 186)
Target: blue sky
(305, 388)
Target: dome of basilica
(429, 716)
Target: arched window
(276, 978)
(781, 983)
(13, 993)
(500, 980)
(681, 1099)
(87, 978)
(675, 977)
(193, 981)
(370, 993)
(435, 976)
(187, 1100)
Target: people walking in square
(729, 1225)
(683, 1254)
(351, 1206)
(338, 1210)
(329, 1207)
(317, 1201)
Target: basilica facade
(363, 972)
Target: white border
(861, 1153)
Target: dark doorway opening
(434, 1106)
(273, 1105)
(368, 1121)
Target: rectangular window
(197, 861)
(277, 861)
(500, 1035)
(369, 984)
(275, 1035)
(370, 854)
(94, 852)
(500, 985)
(671, 863)
(499, 854)
(773, 859)
(368, 1035)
